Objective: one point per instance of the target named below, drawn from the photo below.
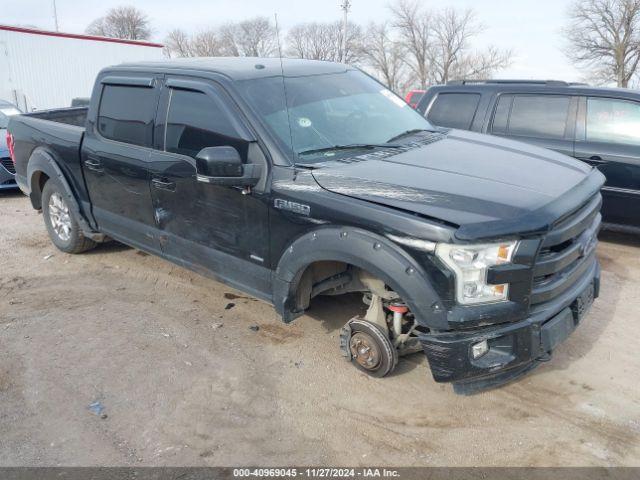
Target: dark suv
(600, 126)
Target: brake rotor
(364, 350)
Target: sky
(531, 28)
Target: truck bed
(70, 116)
(59, 133)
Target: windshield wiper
(351, 146)
(407, 133)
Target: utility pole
(346, 6)
(55, 15)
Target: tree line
(415, 48)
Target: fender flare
(369, 251)
(42, 162)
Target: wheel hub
(60, 217)
(364, 350)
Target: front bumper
(7, 178)
(514, 349)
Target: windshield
(5, 113)
(325, 111)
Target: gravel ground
(182, 379)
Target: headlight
(470, 264)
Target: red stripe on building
(94, 38)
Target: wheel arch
(371, 252)
(42, 167)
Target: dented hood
(486, 185)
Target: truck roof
(241, 68)
(534, 86)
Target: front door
(220, 228)
(115, 159)
(609, 139)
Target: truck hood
(486, 185)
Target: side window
(501, 117)
(613, 121)
(195, 121)
(126, 114)
(541, 116)
(454, 110)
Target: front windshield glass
(330, 110)
(5, 113)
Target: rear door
(608, 137)
(115, 158)
(545, 120)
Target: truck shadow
(112, 246)
(12, 193)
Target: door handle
(94, 165)
(162, 184)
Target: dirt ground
(183, 380)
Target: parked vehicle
(600, 126)
(413, 97)
(297, 179)
(7, 169)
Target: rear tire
(368, 347)
(60, 220)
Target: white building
(41, 69)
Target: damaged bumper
(514, 348)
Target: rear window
(613, 121)
(126, 114)
(540, 116)
(454, 110)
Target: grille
(8, 164)
(567, 252)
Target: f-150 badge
(290, 206)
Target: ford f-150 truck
(290, 179)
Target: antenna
(345, 6)
(284, 84)
(275, 15)
(55, 15)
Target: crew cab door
(223, 229)
(608, 137)
(115, 157)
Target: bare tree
(254, 37)
(604, 36)
(257, 37)
(413, 26)
(122, 22)
(385, 56)
(449, 51)
(437, 44)
(207, 43)
(178, 44)
(323, 41)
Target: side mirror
(223, 166)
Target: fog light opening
(479, 349)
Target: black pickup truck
(294, 179)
